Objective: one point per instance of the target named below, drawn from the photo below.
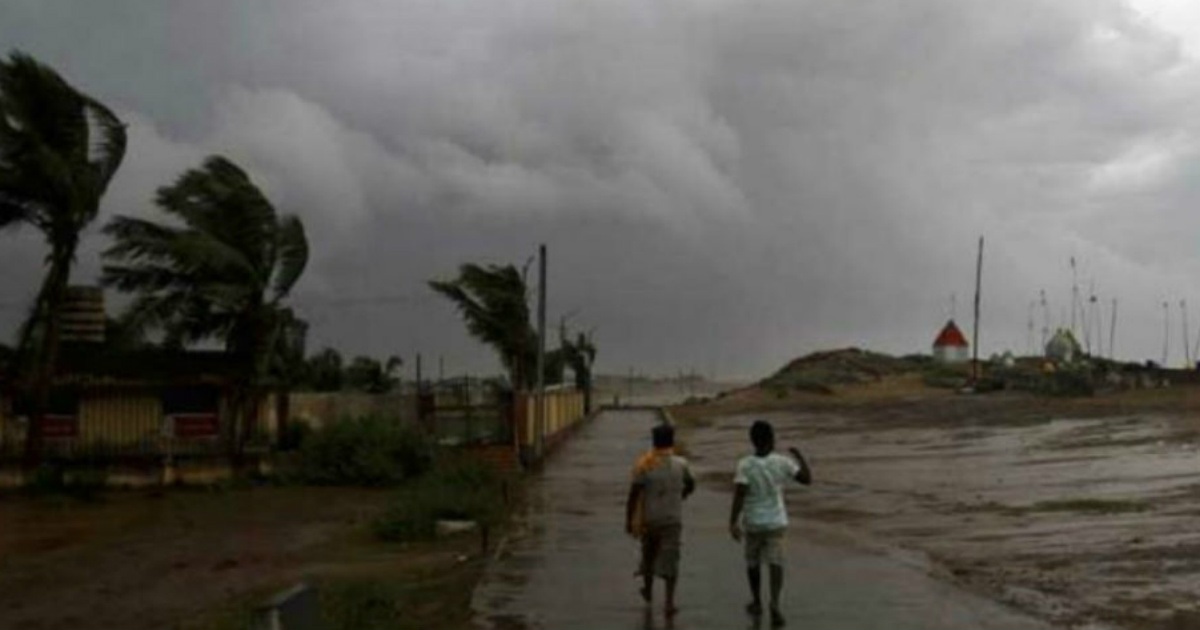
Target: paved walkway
(574, 568)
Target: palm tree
(580, 355)
(223, 274)
(493, 300)
(59, 149)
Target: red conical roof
(950, 336)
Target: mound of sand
(820, 371)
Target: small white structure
(1063, 347)
(950, 346)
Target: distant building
(1063, 347)
(950, 346)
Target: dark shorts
(660, 551)
(765, 547)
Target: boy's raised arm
(804, 475)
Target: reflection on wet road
(573, 566)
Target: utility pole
(541, 356)
(1166, 332)
(975, 343)
(1074, 295)
(1112, 333)
(1187, 350)
(1029, 330)
(1045, 321)
(418, 373)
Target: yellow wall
(120, 416)
(563, 409)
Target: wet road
(573, 567)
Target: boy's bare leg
(648, 558)
(776, 588)
(754, 575)
(669, 606)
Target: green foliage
(294, 436)
(363, 605)
(56, 479)
(223, 274)
(366, 451)
(494, 303)
(456, 490)
(1069, 382)
(371, 376)
(323, 371)
(59, 150)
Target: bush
(294, 436)
(456, 490)
(54, 478)
(366, 451)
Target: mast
(1166, 332)
(1029, 329)
(975, 333)
(1074, 295)
(1187, 350)
(1112, 333)
(1045, 320)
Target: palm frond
(292, 255)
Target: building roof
(98, 364)
(950, 336)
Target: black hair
(663, 435)
(762, 435)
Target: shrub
(294, 436)
(455, 490)
(54, 478)
(366, 451)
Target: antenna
(1029, 329)
(1112, 333)
(1087, 319)
(1166, 332)
(953, 306)
(1187, 351)
(1074, 294)
(1045, 319)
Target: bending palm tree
(59, 149)
(222, 275)
(493, 302)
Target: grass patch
(1091, 506)
(459, 489)
(369, 451)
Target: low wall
(564, 410)
(320, 409)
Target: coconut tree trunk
(43, 349)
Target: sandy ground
(198, 559)
(1081, 512)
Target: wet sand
(571, 564)
(1081, 521)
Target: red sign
(195, 425)
(59, 426)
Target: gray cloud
(722, 184)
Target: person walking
(759, 516)
(654, 513)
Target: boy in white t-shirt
(760, 514)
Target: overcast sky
(722, 184)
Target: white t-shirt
(764, 478)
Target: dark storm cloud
(722, 184)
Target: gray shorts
(764, 547)
(660, 551)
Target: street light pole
(540, 417)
